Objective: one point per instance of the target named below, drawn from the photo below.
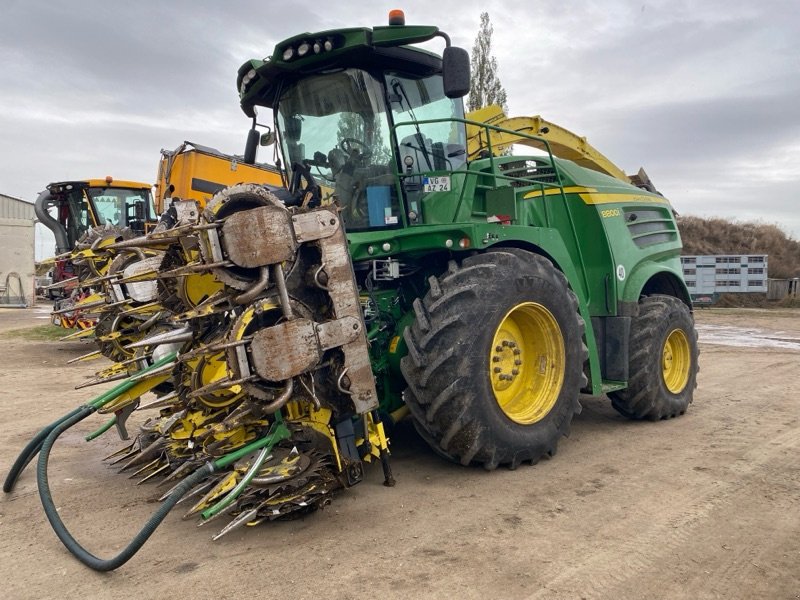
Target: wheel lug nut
(516, 351)
(518, 362)
(515, 371)
(498, 348)
(495, 359)
(498, 370)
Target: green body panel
(385, 327)
(611, 240)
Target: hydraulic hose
(102, 429)
(240, 487)
(277, 433)
(34, 446)
(83, 555)
(31, 449)
(43, 443)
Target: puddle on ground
(747, 337)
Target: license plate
(436, 184)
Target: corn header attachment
(245, 321)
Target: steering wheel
(349, 144)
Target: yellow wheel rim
(676, 361)
(527, 363)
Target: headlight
(303, 49)
(288, 53)
(249, 76)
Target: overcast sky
(704, 95)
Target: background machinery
(81, 209)
(86, 216)
(408, 266)
(195, 172)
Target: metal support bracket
(122, 417)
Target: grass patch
(48, 333)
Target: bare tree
(486, 88)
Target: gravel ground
(704, 506)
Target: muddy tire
(495, 360)
(663, 361)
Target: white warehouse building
(725, 273)
(16, 251)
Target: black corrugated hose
(86, 557)
(32, 448)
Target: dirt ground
(704, 506)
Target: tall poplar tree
(486, 88)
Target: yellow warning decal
(575, 189)
(592, 196)
(598, 198)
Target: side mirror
(267, 139)
(455, 72)
(251, 147)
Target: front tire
(663, 361)
(495, 359)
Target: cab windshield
(122, 207)
(439, 146)
(336, 124)
(426, 149)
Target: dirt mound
(720, 236)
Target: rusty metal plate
(338, 332)
(260, 236)
(285, 350)
(315, 225)
(343, 293)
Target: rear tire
(663, 361)
(495, 359)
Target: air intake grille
(650, 226)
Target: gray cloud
(704, 95)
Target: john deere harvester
(400, 270)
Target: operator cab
(377, 124)
(100, 202)
(342, 124)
